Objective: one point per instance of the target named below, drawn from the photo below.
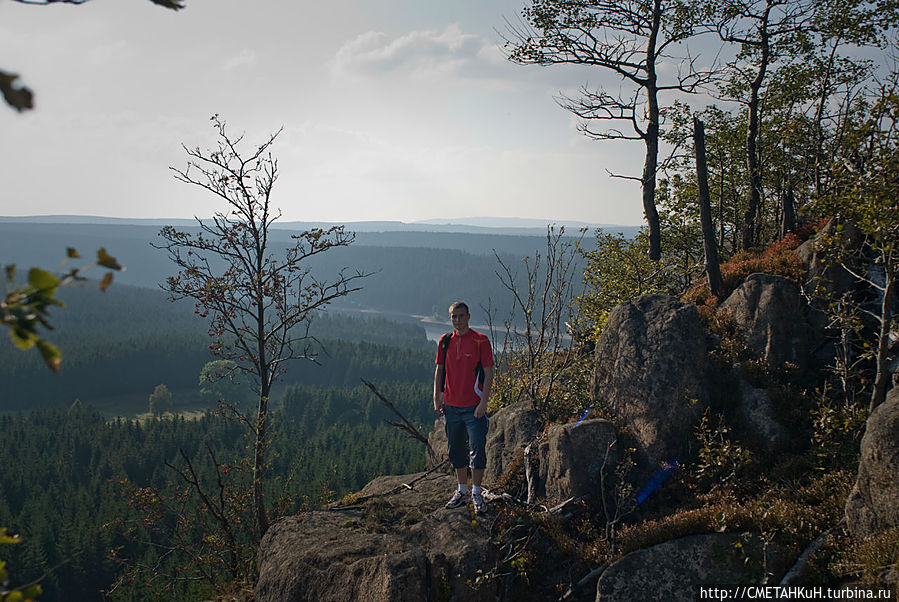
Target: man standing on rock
(464, 375)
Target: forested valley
(80, 449)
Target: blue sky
(392, 110)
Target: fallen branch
(798, 567)
(406, 426)
(528, 474)
(407, 486)
(584, 581)
(558, 507)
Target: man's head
(459, 315)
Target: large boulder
(670, 571)
(511, 428)
(773, 319)
(827, 278)
(651, 372)
(873, 504)
(395, 542)
(573, 456)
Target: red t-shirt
(462, 357)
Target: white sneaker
(477, 499)
(458, 499)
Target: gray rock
(572, 457)
(651, 373)
(511, 429)
(670, 571)
(828, 278)
(873, 504)
(774, 319)
(390, 545)
(756, 413)
(437, 441)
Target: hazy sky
(392, 110)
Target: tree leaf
(22, 338)
(107, 280)
(16, 95)
(42, 280)
(51, 354)
(72, 253)
(172, 4)
(7, 537)
(107, 261)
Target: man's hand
(438, 406)
(481, 410)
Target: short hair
(459, 305)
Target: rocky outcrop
(394, 543)
(572, 457)
(671, 570)
(651, 372)
(873, 504)
(773, 319)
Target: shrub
(779, 259)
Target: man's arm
(481, 410)
(439, 375)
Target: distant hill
(444, 266)
(504, 226)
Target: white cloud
(423, 53)
(245, 58)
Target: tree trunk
(712, 268)
(755, 177)
(789, 213)
(753, 162)
(651, 137)
(649, 198)
(881, 380)
(259, 449)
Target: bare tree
(259, 298)
(629, 39)
(537, 352)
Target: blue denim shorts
(466, 436)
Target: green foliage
(720, 460)
(10, 593)
(838, 425)
(618, 269)
(865, 196)
(160, 400)
(222, 381)
(25, 307)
